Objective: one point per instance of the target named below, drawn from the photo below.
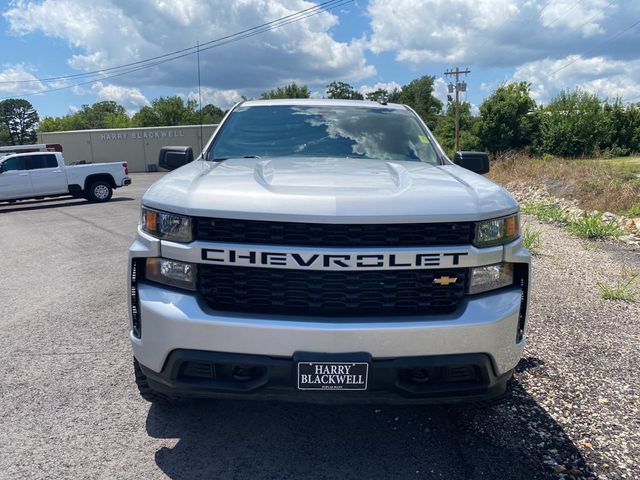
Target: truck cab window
(16, 163)
(37, 162)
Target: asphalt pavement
(69, 407)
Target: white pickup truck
(44, 174)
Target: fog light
(171, 272)
(490, 277)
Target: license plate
(332, 375)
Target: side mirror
(477, 162)
(171, 158)
(1, 168)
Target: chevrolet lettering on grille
(335, 261)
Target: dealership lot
(69, 407)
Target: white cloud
(498, 32)
(12, 80)
(440, 90)
(220, 98)
(584, 17)
(130, 98)
(600, 75)
(112, 32)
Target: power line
(575, 4)
(267, 26)
(578, 57)
(596, 14)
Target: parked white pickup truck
(44, 174)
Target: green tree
(107, 114)
(289, 91)
(5, 139)
(167, 111)
(212, 114)
(51, 124)
(573, 124)
(445, 131)
(418, 94)
(343, 91)
(392, 96)
(633, 113)
(146, 117)
(623, 128)
(508, 119)
(19, 119)
(100, 114)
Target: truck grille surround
(329, 293)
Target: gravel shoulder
(69, 407)
(576, 403)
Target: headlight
(167, 226)
(171, 272)
(497, 231)
(490, 277)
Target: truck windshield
(323, 131)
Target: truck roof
(324, 102)
(25, 154)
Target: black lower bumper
(428, 379)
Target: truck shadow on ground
(256, 440)
(28, 205)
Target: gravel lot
(69, 407)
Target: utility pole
(458, 87)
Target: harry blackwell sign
(139, 135)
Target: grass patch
(623, 289)
(531, 239)
(545, 212)
(634, 211)
(605, 185)
(593, 227)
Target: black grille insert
(330, 293)
(333, 235)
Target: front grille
(333, 235)
(329, 293)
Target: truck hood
(337, 190)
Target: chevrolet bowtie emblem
(444, 281)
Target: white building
(139, 147)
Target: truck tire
(146, 392)
(99, 191)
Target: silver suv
(327, 250)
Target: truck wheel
(145, 390)
(100, 192)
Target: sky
(554, 45)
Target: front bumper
(452, 379)
(173, 319)
(483, 327)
